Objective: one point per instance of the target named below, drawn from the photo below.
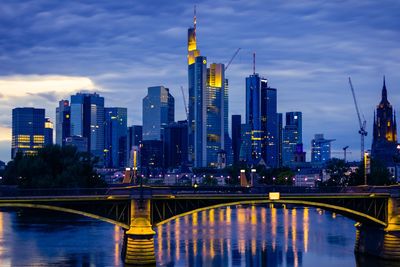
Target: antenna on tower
(254, 63)
(194, 18)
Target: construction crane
(362, 124)
(184, 103)
(232, 58)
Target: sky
(306, 49)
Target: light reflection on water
(232, 236)
(257, 236)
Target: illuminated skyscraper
(158, 111)
(87, 120)
(320, 149)
(208, 107)
(384, 142)
(48, 132)
(63, 122)
(115, 126)
(292, 136)
(28, 130)
(261, 118)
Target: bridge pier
(138, 248)
(381, 242)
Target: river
(231, 236)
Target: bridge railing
(16, 192)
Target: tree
(278, 176)
(53, 167)
(379, 175)
(338, 171)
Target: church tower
(384, 143)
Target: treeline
(53, 167)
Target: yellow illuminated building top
(216, 75)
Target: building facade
(48, 132)
(320, 149)
(262, 120)
(115, 127)
(208, 107)
(176, 144)
(384, 142)
(63, 122)
(87, 120)
(158, 111)
(28, 130)
(292, 136)
(236, 137)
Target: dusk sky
(307, 50)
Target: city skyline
(306, 50)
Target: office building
(134, 141)
(48, 132)
(152, 156)
(262, 120)
(320, 149)
(63, 122)
(158, 111)
(87, 120)
(115, 126)
(280, 138)
(176, 144)
(292, 136)
(28, 130)
(79, 142)
(208, 107)
(236, 137)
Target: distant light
(253, 170)
(274, 195)
(242, 171)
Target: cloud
(46, 86)
(306, 49)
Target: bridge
(138, 209)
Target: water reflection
(270, 235)
(259, 236)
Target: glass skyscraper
(236, 137)
(320, 149)
(63, 122)
(158, 111)
(28, 130)
(208, 107)
(48, 132)
(87, 120)
(262, 120)
(175, 144)
(292, 136)
(115, 126)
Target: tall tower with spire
(208, 106)
(384, 143)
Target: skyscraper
(63, 122)
(236, 137)
(292, 136)
(280, 138)
(320, 149)
(208, 107)
(87, 120)
(48, 132)
(28, 130)
(134, 141)
(115, 126)
(158, 111)
(175, 144)
(384, 142)
(261, 118)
